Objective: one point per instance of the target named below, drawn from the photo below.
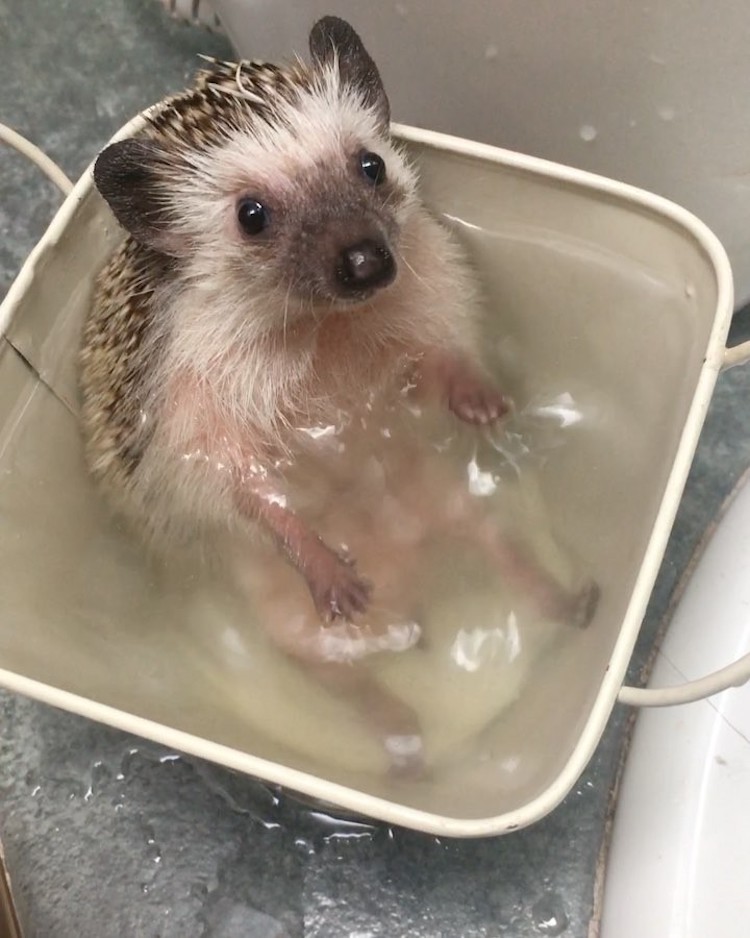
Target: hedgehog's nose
(365, 265)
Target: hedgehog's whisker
(286, 313)
(421, 279)
(313, 312)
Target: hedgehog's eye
(373, 167)
(251, 215)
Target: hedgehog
(279, 275)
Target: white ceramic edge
(612, 679)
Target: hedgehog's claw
(337, 590)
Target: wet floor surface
(108, 836)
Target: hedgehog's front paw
(474, 401)
(584, 604)
(336, 588)
(577, 608)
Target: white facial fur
(303, 168)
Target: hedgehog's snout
(346, 257)
(366, 265)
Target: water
(183, 635)
(487, 671)
(234, 854)
(191, 848)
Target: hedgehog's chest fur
(145, 386)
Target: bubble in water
(667, 113)
(561, 409)
(401, 9)
(587, 133)
(481, 483)
(657, 59)
(170, 757)
(510, 764)
(305, 846)
(491, 52)
(690, 290)
(549, 915)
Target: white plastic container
(603, 290)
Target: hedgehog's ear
(126, 175)
(333, 39)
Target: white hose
(734, 675)
(37, 157)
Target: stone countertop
(108, 836)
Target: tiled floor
(109, 837)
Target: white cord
(37, 157)
(736, 355)
(734, 675)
